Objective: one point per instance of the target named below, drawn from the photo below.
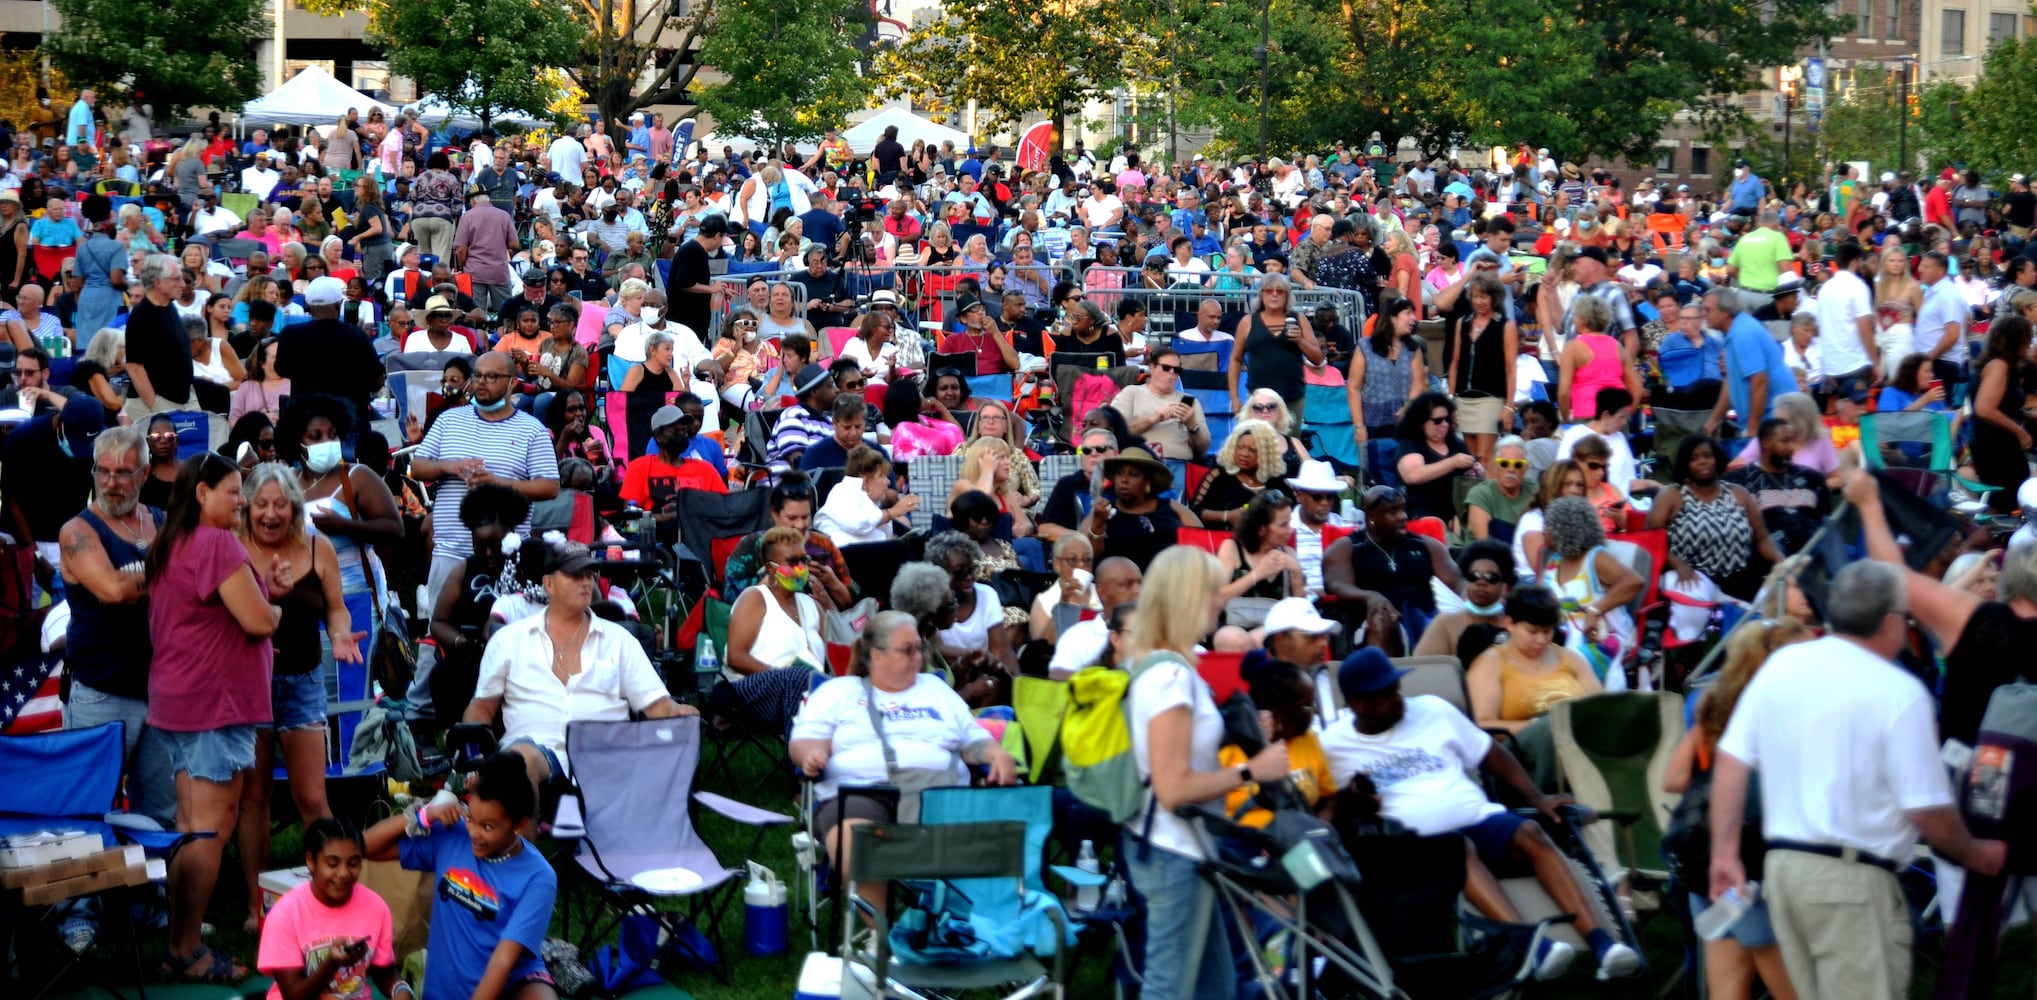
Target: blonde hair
(1176, 606)
(1012, 435)
(973, 456)
(1263, 394)
(1260, 436)
(634, 288)
(1397, 243)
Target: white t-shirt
(850, 517)
(1621, 470)
(1158, 689)
(1845, 744)
(1841, 303)
(567, 157)
(1639, 276)
(876, 368)
(1102, 208)
(1531, 522)
(927, 724)
(615, 679)
(1418, 766)
(974, 632)
(1082, 645)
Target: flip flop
(221, 969)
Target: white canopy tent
(312, 97)
(435, 113)
(864, 136)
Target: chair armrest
(739, 812)
(1076, 877)
(568, 823)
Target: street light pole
(1903, 112)
(1174, 83)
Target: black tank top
(107, 646)
(298, 650)
(1275, 362)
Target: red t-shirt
(1938, 207)
(650, 480)
(207, 673)
(989, 361)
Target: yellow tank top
(1524, 695)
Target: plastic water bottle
(705, 663)
(1718, 918)
(1085, 861)
(766, 916)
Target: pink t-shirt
(208, 673)
(300, 930)
(924, 437)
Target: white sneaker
(1553, 959)
(1619, 962)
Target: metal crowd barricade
(1171, 308)
(926, 294)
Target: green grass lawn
(754, 780)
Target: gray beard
(123, 511)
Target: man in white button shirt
(565, 665)
(1847, 750)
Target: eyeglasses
(1169, 369)
(908, 649)
(490, 377)
(1078, 561)
(1097, 449)
(1511, 463)
(24, 372)
(1493, 578)
(100, 473)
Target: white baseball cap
(1296, 614)
(325, 291)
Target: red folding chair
(1220, 671)
(840, 657)
(719, 550)
(1430, 526)
(1207, 539)
(1191, 480)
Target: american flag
(29, 698)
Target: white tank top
(781, 642)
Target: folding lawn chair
(70, 779)
(640, 847)
(707, 518)
(931, 476)
(1612, 749)
(991, 856)
(1328, 414)
(1916, 446)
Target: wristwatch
(1245, 774)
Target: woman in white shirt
(1176, 733)
(774, 638)
(872, 348)
(979, 615)
(1074, 563)
(925, 725)
(852, 514)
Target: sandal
(220, 970)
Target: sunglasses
(1440, 420)
(1169, 369)
(1595, 466)
(791, 561)
(1265, 407)
(850, 387)
(1493, 578)
(1511, 463)
(1097, 449)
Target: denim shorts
(299, 700)
(214, 755)
(551, 759)
(1752, 930)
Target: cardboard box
(44, 893)
(57, 871)
(31, 849)
(274, 884)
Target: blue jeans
(151, 786)
(1188, 954)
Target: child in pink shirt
(327, 938)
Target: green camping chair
(1917, 444)
(1612, 749)
(1039, 704)
(239, 203)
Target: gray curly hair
(919, 589)
(946, 544)
(1572, 527)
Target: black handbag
(1687, 843)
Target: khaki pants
(138, 413)
(1843, 927)
(434, 237)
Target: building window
(1700, 161)
(1951, 32)
(1893, 30)
(1665, 160)
(2000, 28)
(371, 76)
(1865, 28)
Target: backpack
(1096, 743)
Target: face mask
(1718, 262)
(1486, 610)
(793, 580)
(322, 457)
(650, 315)
(64, 445)
(496, 407)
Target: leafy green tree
(791, 67)
(1866, 123)
(175, 54)
(483, 56)
(1986, 134)
(1018, 57)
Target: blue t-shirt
(479, 904)
(1747, 193)
(1750, 348)
(1684, 364)
(708, 451)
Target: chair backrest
(1328, 414)
(1039, 703)
(1192, 476)
(1612, 749)
(1442, 676)
(1053, 468)
(593, 323)
(1648, 552)
(615, 413)
(1032, 805)
(930, 477)
(997, 387)
(1924, 430)
(68, 772)
(887, 851)
(1222, 672)
(636, 782)
(1217, 353)
(705, 517)
(194, 432)
(837, 337)
(961, 361)
(1430, 526)
(1207, 539)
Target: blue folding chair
(1328, 414)
(997, 387)
(1189, 348)
(70, 779)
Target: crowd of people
(1547, 397)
